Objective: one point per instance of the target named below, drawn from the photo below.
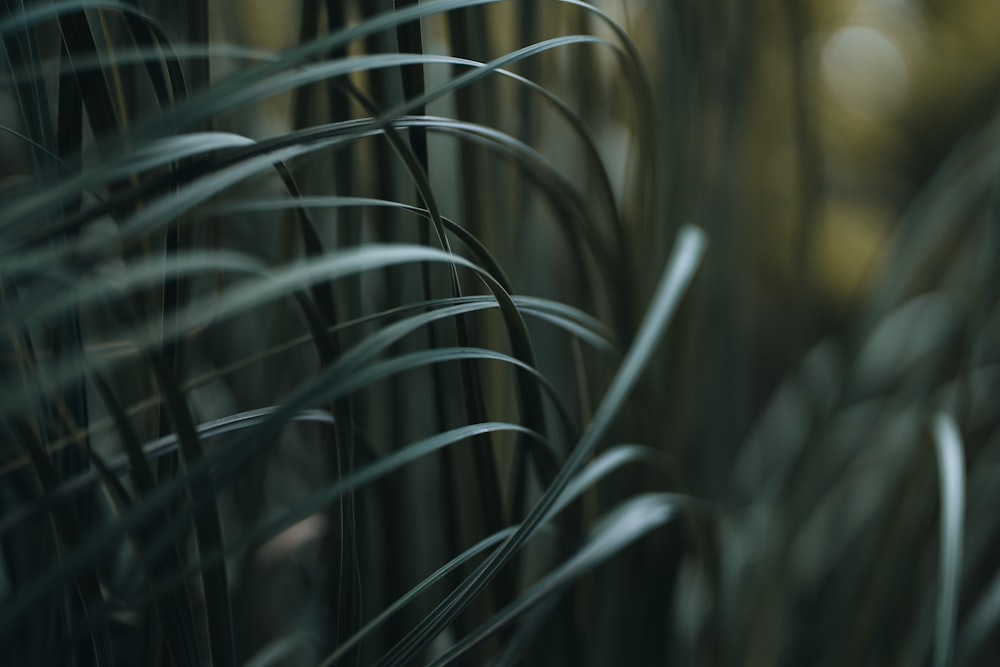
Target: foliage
(333, 348)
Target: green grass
(433, 337)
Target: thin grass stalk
(21, 51)
(951, 468)
(68, 340)
(178, 235)
(70, 534)
(467, 38)
(343, 161)
(464, 31)
(175, 608)
(809, 159)
(529, 21)
(208, 525)
(79, 41)
(348, 588)
(410, 39)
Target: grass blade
(951, 469)
(208, 526)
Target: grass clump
(394, 332)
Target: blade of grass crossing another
(687, 253)
(627, 523)
(70, 533)
(175, 607)
(328, 385)
(597, 470)
(208, 525)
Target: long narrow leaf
(951, 469)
